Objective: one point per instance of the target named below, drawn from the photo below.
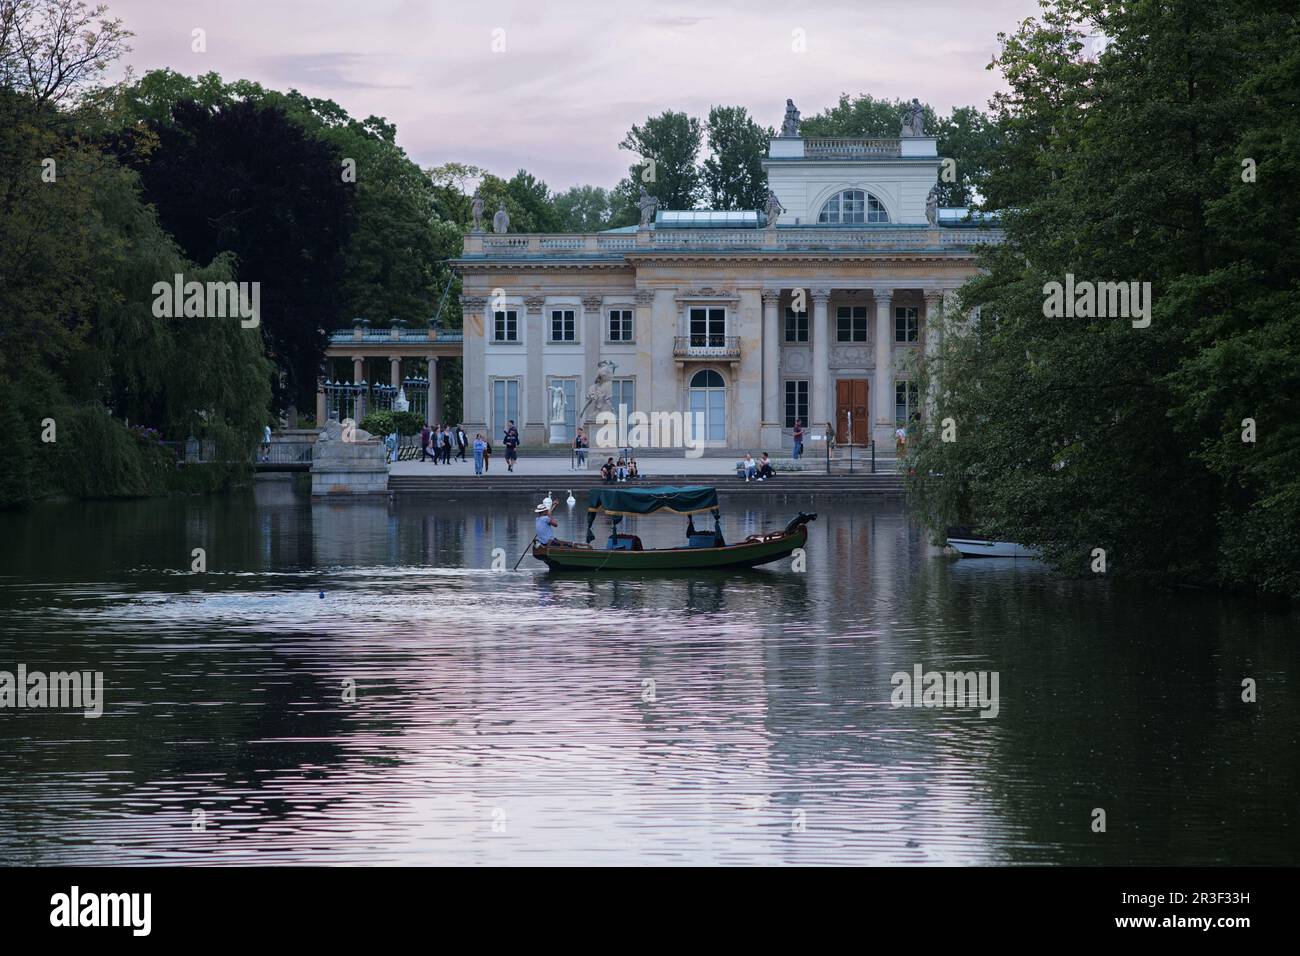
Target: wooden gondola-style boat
(703, 550)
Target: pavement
(648, 465)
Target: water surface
(522, 717)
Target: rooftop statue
(501, 221)
(932, 205)
(790, 127)
(647, 204)
(477, 212)
(772, 208)
(914, 119)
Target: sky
(552, 86)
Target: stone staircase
(806, 484)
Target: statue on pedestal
(648, 205)
(932, 205)
(790, 125)
(558, 404)
(772, 208)
(477, 212)
(501, 221)
(914, 119)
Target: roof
(679, 499)
(706, 219)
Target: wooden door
(851, 396)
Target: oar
(521, 557)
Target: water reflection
(522, 717)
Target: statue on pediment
(476, 210)
(772, 208)
(914, 119)
(790, 126)
(648, 205)
(501, 221)
(932, 205)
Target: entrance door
(851, 396)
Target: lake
(428, 709)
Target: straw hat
(541, 510)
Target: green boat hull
(747, 554)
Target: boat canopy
(682, 500)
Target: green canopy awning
(683, 500)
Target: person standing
(462, 441)
(798, 438)
(580, 449)
(511, 441)
(487, 453)
(479, 446)
(266, 443)
(446, 445)
(424, 442)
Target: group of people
(625, 469)
(436, 442)
(752, 470)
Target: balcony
(706, 348)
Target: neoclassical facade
(807, 310)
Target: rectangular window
(906, 323)
(505, 407)
(624, 394)
(905, 402)
(851, 323)
(505, 326)
(796, 401)
(796, 326)
(620, 325)
(564, 326)
(708, 328)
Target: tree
(667, 145)
(55, 50)
(244, 179)
(733, 173)
(1077, 434)
(582, 209)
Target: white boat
(971, 545)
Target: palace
(749, 320)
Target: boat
(704, 550)
(972, 544)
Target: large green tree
(667, 146)
(1131, 165)
(733, 172)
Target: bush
(97, 457)
(383, 423)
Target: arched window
(853, 205)
(708, 394)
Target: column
(395, 371)
(591, 342)
(358, 369)
(435, 391)
(933, 332)
(770, 430)
(883, 399)
(819, 403)
(320, 403)
(532, 430)
(474, 376)
(643, 330)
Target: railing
(706, 346)
(821, 148)
(885, 236)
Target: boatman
(546, 524)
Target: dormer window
(853, 206)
